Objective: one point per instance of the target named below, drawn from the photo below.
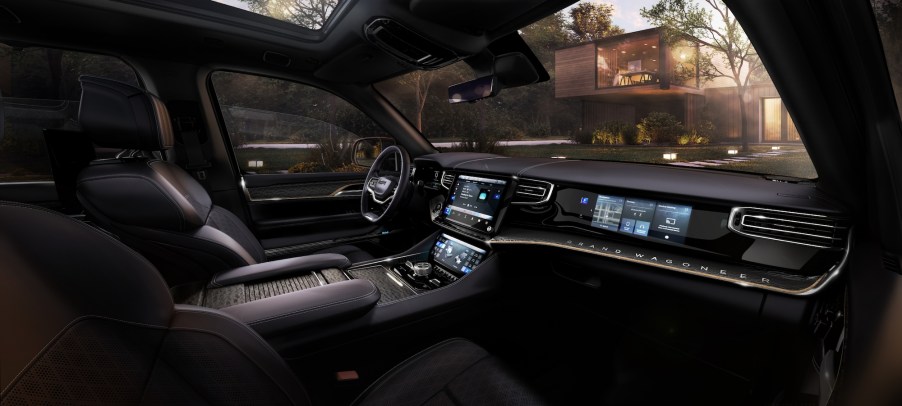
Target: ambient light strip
(795, 285)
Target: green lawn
(794, 163)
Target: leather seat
(79, 330)
(152, 205)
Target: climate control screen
(456, 255)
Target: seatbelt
(188, 128)
(190, 134)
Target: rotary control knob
(422, 269)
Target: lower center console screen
(639, 217)
(456, 255)
(474, 202)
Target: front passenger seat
(155, 206)
(88, 321)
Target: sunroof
(311, 14)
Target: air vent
(407, 45)
(798, 228)
(447, 180)
(532, 192)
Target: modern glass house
(626, 77)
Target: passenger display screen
(639, 217)
(474, 202)
(456, 255)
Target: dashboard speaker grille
(798, 228)
(531, 191)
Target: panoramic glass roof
(311, 14)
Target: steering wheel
(382, 195)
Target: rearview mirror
(476, 89)
(367, 149)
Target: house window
(633, 60)
(776, 123)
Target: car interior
(158, 264)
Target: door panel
(316, 210)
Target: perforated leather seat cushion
(453, 372)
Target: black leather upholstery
(306, 308)
(118, 115)
(453, 372)
(281, 268)
(86, 320)
(152, 205)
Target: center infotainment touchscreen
(474, 202)
(640, 217)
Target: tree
(306, 13)
(592, 21)
(727, 52)
(420, 81)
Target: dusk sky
(626, 12)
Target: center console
(449, 260)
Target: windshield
(636, 84)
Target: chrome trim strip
(320, 279)
(338, 193)
(393, 278)
(819, 284)
(741, 211)
(35, 182)
(546, 199)
(441, 180)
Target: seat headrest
(117, 115)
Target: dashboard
(737, 228)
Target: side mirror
(367, 149)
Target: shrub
(306, 167)
(660, 128)
(351, 168)
(614, 133)
(607, 137)
(583, 137)
(478, 142)
(700, 134)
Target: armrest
(307, 307)
(282, 267)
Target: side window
(39, 89)
(277, 126)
